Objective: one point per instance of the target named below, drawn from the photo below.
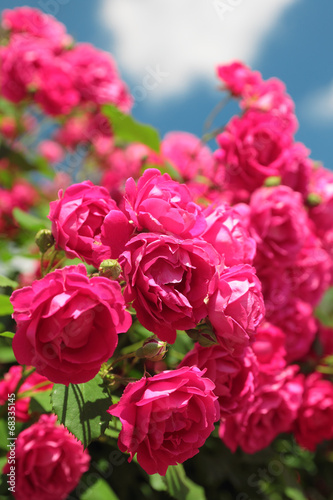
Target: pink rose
(269, 348)
(278, 223)
(87, 223)
(188, 155)
(238, 78)
(162, 205)
(315, 417)
(274, 410)
(325, 335)
(236, 307)
(234, 377)
(96, 77)
(167, 280)
(35, 23)
(297, 322)
(166, 418)
(253, 148)
(68, 324)
(228, 234)
(33, 383)
(49, 461)
(51, 150)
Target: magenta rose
(269, 348)
(68, 324)
(234, 377)
(238, 78)
(49, 461)
(315, 418)
(279, 224)
(273, 410)
(33, 383)
(162, 205)
(166, 418)
(236, 307)
(167, 280)
(87, 223)
(228, 234)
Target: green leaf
(3, 433)
(82, 408)
(6, 307)
(41, 402)
(324, 312)
(126, 128)
(6, 282)
(28, 221)
(294, 494)
(23, 162)
(6, 351)
(8, 335)
(179, 486)
(100, 489)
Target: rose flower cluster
(235, 254)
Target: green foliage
(37, 164)
(101, 490)
(6, 351)
(6, 282)
(8, 335)
(127, 129)
(28, 221)
(41, 402)
(6, 307)
(179, 486)
(324, 311)
(82, 408)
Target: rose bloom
(297, 322)
(166, 418)
(49, 461)
(236, 307)
(228, 234)
(68, 324)
(234, 376)
(315, 417)
(162, 205)
(238, 78)
(51, 150)
(33, 383)
(96, 77)
(187, 153)
(86, 223)
(254, 147)
(273, 410)
(167, 280)
(35, 23)
(278, 223)
(269, 348)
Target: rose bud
(152, 349)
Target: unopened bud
(152, 349)
(44, 240)
(273, 180)
(110, 268)
(313, 199)
(204, 336)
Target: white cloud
(187, 38)
(318, 106)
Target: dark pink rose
(51, 150)
(269, 348)
(278, 223)
(35, 23)
(321, 213)
(49, 461)
(162, 205)
(325, 335)
(33, 383)
(236, 307)
(166, 418)
(297, 322)
(167, 280)
(96, 77)
(87, 223)
(55, 91)
(68, 324)
(315, 417)
(253, 148)
(234, 377)
(273, 410)
(238, 78)
(228, 234)
(188, 155)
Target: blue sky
(179, 42)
